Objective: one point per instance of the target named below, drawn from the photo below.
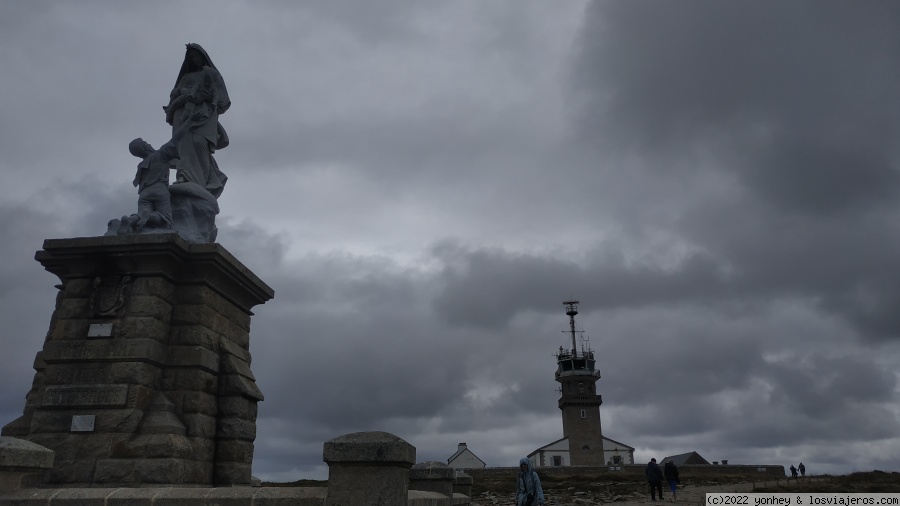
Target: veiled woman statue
(199, 89)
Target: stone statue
(199, 88)
(188, 206)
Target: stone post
(21, 461)
(432, 477)
(463, 484)
(368, 468)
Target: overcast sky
(424, 183)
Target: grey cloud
(250, 242)
(485, 287)
(788, 96)
(349, 334)
(789, 109)
(847, 262)
(818, 386)
(488, 287)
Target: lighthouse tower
(579, 401)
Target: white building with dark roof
(465, 459)
(556, 454)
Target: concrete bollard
(433, 477)
(368, 468)
(21, 462)
(463, 484)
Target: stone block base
(144, 377)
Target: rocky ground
(628, 492)
(573, 497)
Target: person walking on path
(671, 474)
(802, 469)
(654, 479)
(528, 485)
(793, 471)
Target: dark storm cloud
(791, 406)
(822, 386)
(340, 335)
(796, 104)
(364, 319)
(769, 375)
(265, 250)
(847, 262)
(488, 287)
(823, 396)
(797, 99)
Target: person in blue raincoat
(528, 485)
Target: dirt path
(691, 495)
(694, 495)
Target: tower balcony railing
(587, 399)
(567, 354)
(577, 372)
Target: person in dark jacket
(671, 474)
(654, 478)
(793, 471)
(802, 469)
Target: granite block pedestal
(144, 377)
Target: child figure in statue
(152, 181)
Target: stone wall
(170, 496)
(695, 471)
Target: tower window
(583, 414)
(580, 388)
(557, 460)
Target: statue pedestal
(144, 377)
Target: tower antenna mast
(572, 310)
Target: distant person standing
(793, 471)
(528, 485)
(654, 478)
(671, 474)
(802, 469)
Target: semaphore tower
(579, 401)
